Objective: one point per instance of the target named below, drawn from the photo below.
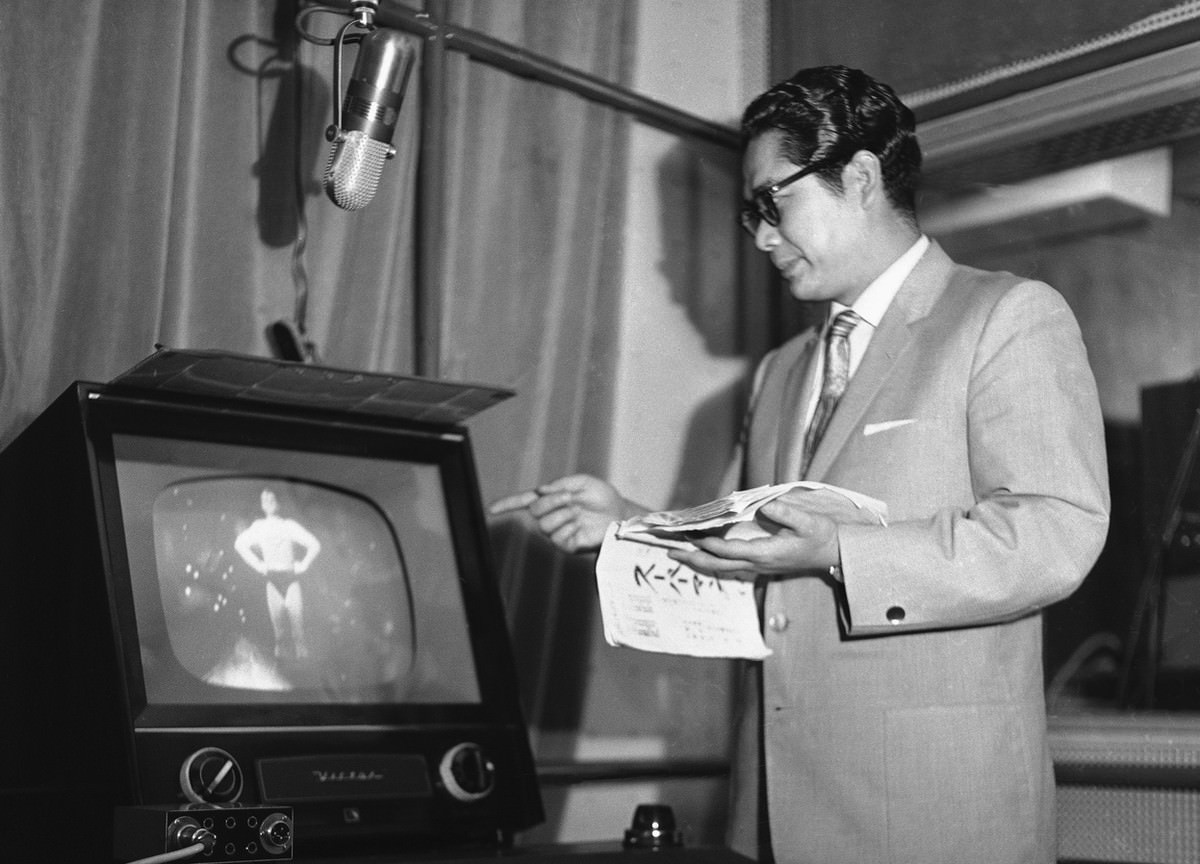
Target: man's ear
(863, 177)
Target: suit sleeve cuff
(870, 604)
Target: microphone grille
(352, 172)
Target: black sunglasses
(762, 207)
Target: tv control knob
(211, 776)
(467, 772)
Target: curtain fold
(534, 214)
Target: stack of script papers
(651, 602)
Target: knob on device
(211, 776)
(467, 772)
(653, 828)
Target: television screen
(282, 575)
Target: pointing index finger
(513, 502)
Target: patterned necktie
(833, 384)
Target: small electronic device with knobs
(227, 834)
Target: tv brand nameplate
(338, 777)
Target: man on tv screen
(269, 546)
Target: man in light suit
(900, 717)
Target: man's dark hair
(828, 113)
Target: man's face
(817, 245)
(269, 503)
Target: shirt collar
(874, 301)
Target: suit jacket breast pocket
(920, 460)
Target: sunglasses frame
(762, 207)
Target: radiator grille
(1156, 826)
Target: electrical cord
(302, 25)
(176, 855)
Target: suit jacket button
(778, 622)
(895, 615)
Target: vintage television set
(233, 582)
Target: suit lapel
(797, 392)
(911, 303)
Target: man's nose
(766, 236)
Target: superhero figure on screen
(269, 545)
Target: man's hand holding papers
(793, 530)
(668, 581)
